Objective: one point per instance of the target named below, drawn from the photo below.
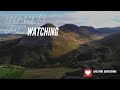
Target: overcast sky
(96, 19)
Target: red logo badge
(87, 73)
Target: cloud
(96, 19)
(87, 18)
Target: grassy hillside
(35, 55)
(39, 51)
(102, 54)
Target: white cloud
(81, 18)
(87, 18)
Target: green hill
(40, 51)
(101, 54)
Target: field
(42, 73)
(10, 73)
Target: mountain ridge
(41, 51)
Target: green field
(4, 72)
(42, 73)
(10, 73)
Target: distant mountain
(83, 31)
(108, 31)
(90, 29)
(90, 32)
(112, 41)
(70, 32)
(48, 25)
(70, 28)
(66, 32)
